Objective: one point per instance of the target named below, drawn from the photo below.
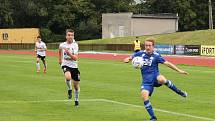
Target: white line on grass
(111, 101)
(161, 110)
(45, 101)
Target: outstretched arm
(127, 60)
(174, 67)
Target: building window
(121, 31)
(111, 31)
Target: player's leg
(145, 93)
(38, 64)
(44, 63)
(76, 91)
(162, 80)
(76, 83)
(68, 78)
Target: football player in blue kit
(150, 74)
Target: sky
(138, 1)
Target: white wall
(150, 26)
(123, 24)
(116, 25)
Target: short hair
(70, 30)
(151, 39)
(38, 36)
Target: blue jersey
(150, 68)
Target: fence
(16, 46)
(163, 49)
(84, 47)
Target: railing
(85, 47)
(163, 49)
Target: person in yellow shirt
(137, 45)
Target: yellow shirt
(137, 45)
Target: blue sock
(173, 87)
(149, 108)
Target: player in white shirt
(68, 56)
(40, 48)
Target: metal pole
(210, 15)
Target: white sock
(77, 94)
(38, 66)
(68, 82)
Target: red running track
(187, 60)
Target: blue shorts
(149, 82)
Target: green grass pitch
(110, 91)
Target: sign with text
(179, 49)
(164, 49)
(5, 36)
(192, 49)
(208, 50)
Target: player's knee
(76, 85)
(161, 79)
(67, 76)
(145, 95)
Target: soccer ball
(137, 62)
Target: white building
(129, 24)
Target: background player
(40, 48)
(137, 45)
(68, 56)
(150, 74)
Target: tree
(85, 16)
(193, 13)
(29, 13)
(6, 19)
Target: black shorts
(75, 73)
(136, 51)
(41, 57)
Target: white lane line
(161, 110)
(112, 101)
(45, 101)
